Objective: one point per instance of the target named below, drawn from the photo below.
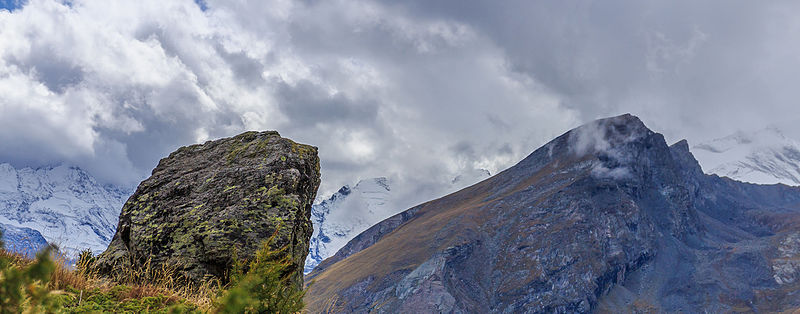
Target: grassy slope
(262, 285)
(76, 291)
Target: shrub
(85, 263)
(23, 288)
(266, 287)
(43, 286)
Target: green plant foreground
(115, 300)
(42, 285)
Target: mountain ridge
(606, 216)
(353, 209)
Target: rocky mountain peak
(685, 159)
(613, 141)
(605, 217)
(607, 135)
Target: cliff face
(605, 217)
(205, 204)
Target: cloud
(602, 172)
(418, 91)
(115, 85)
(309, 105)
(694, 69)
(608, 140)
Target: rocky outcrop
(606, 217)
(205, 204)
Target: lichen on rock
(208, 203)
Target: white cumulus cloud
(113, 86)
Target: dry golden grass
(15, 258)
(152, 281)
(144, 282)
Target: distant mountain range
(62, 205)
(353, 209)
(765, 157)
(605, 218)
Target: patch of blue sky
(11, 5)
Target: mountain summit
(605, 217)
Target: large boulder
(210, 203)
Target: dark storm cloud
(506, 149)
(54, 73)
(307, 104)
(463, 150)
(681, 65)
(246, 69)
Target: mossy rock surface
(208, 203)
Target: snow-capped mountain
(353, 209)
(766, 157)
(64, 204)
(348, 212)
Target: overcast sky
(419, 91)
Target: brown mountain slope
(604, 217)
